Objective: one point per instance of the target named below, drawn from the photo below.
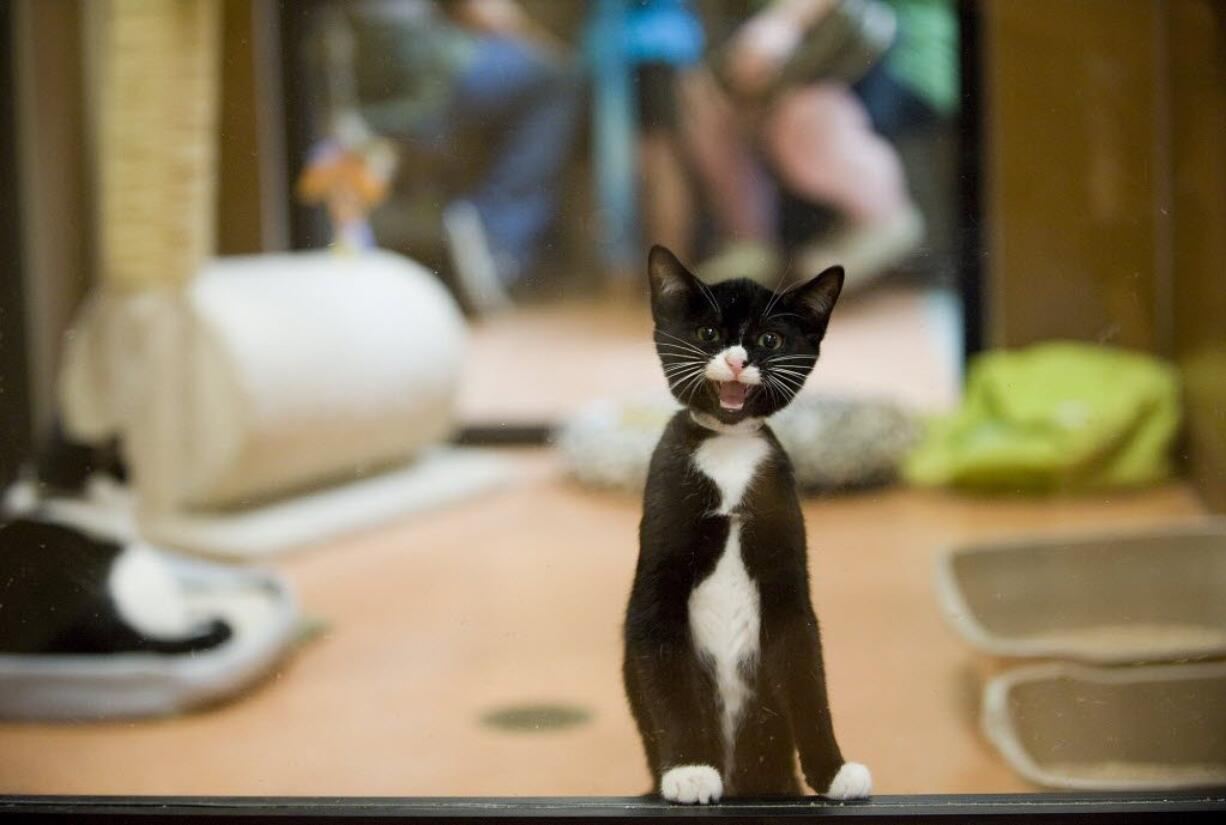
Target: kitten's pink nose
(735, 362)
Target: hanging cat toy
(723, 657)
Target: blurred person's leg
(892, 108)
(822, 143)
(667, 203)
(823, 146)
(738, 190)
(526, 103)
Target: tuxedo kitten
(65, 591)
(66, 469)
(723, 659)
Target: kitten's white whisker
(691, 387)
(787, 392)
(677, 375)
(776, 392)
(694, 383)
(694, 390)
(790, 382)
(684, 343)
(706, 291)
(684, 354)
(680, 358)
(782, 315)
(779, 291)
(674, 337)
(789, 371)
(789, 358)
(673, 349)
(696, 369)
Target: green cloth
(1055, 417)
(925, 55)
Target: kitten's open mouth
(732, 395)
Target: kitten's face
(736, 350)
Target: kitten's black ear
(815, 300)
(669, 277)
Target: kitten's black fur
(671, 688)
(64, 466)
(55, 596)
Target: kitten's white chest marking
(724, 608)
(731, 461)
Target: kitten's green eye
(706, 334)
(770, 340)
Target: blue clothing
(431, 83)
(527, 105)
(663, 31)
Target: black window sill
(1204, 806)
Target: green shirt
(925, 54)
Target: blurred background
(353, 294)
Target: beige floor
(517, 598)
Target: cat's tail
(213, 634)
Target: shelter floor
(515, 599)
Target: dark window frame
(997, 808)
(1001, 808)
(16, 425)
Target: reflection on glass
(332, 377)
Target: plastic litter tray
(1143, 596)
(1155, 727)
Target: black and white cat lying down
(67, 588)
(723, 660)
(63, 591)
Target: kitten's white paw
(689, 784)
(853, 781)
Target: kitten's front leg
(793, 657)
(683, 721)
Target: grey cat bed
(260, 609)
(835, 443)
(1119, 597)
(1147, 728)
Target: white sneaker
(867, 251)
(476, 271)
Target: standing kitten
(723, 661)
